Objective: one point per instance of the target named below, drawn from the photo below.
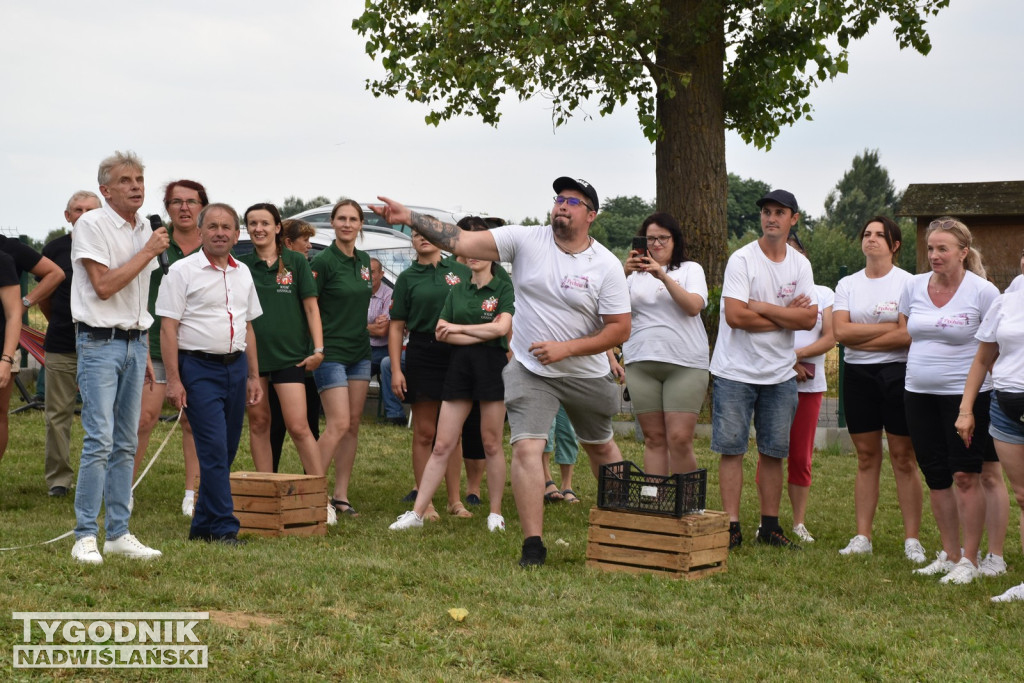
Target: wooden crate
(688, 547)
(274, 504)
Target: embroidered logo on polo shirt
(364, 273)
(452, 279)
(285, 278)
(490, 305)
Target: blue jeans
(392, 406)
(773, 407)
(215, 394)
(110, 378)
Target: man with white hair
(112, 255)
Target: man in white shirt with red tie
(208, 302)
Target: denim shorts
(772, 406)
(1001, 428)
(332, 375)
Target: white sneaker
(858, 545)
(188, 506)
(495, 522)
(939, 566)
(407, 520)
(914, 551)
(129, 546)
(964, 572)
(801, 532)
(332, 515)
(992, 565)
(85, 551)
(1015, 593)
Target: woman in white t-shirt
(1001, 352)
(1017, 282)
(866, 322)
(666, 354)
(810, 347)
(943, 310)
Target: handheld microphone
(165, 264)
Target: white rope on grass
(134, 486)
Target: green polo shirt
(468, 305)
(282, 332)
(421, 290)
(345, 290)
(174, 253)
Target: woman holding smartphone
(666, 354)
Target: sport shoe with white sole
(858, 545)
(129, 546)
(188, 506)
(801, 532)
(1012, 595)
(332, 515)
(407, 520)
(992, 565)
(938, 566)
(914, 551)
(495, 522)
(85, 551)
(962, 573)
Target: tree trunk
(692, 182)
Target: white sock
(189, 494)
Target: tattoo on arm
(443, 235)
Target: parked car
(393, 249)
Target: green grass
(364, 603)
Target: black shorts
(873, 398)
(472, 439)
(475, 374)
(290, 375)
(426, 365)
(940, 451)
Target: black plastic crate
(624, 486)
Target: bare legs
(997, 504)
(866, 484)
(292, 398)
(152, 403)
(668, 442)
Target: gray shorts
(159, 371)
(532, 402)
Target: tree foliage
(864, 191)
(54, 234)
(742, 212)
(620, 218)
(293, 205)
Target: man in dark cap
(572, 305)
(767, 293)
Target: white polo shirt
(103, 236)
(211, 304)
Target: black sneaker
(58, 491)
(534, 552)
(410, 497)
(776, 538)
(735, 535)
(472, 499)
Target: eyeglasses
(663, 240)
(191, 203)
(572, 201)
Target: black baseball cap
(780, 197)
(580, 185)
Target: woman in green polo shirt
(476, 317)
(342, 275)
(416, 303)
(291, 318)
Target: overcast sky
(263, 99)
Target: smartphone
(640, 244)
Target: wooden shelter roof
(1001, 198)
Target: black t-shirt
(25, 257)
(8, 277)
(60, 333)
